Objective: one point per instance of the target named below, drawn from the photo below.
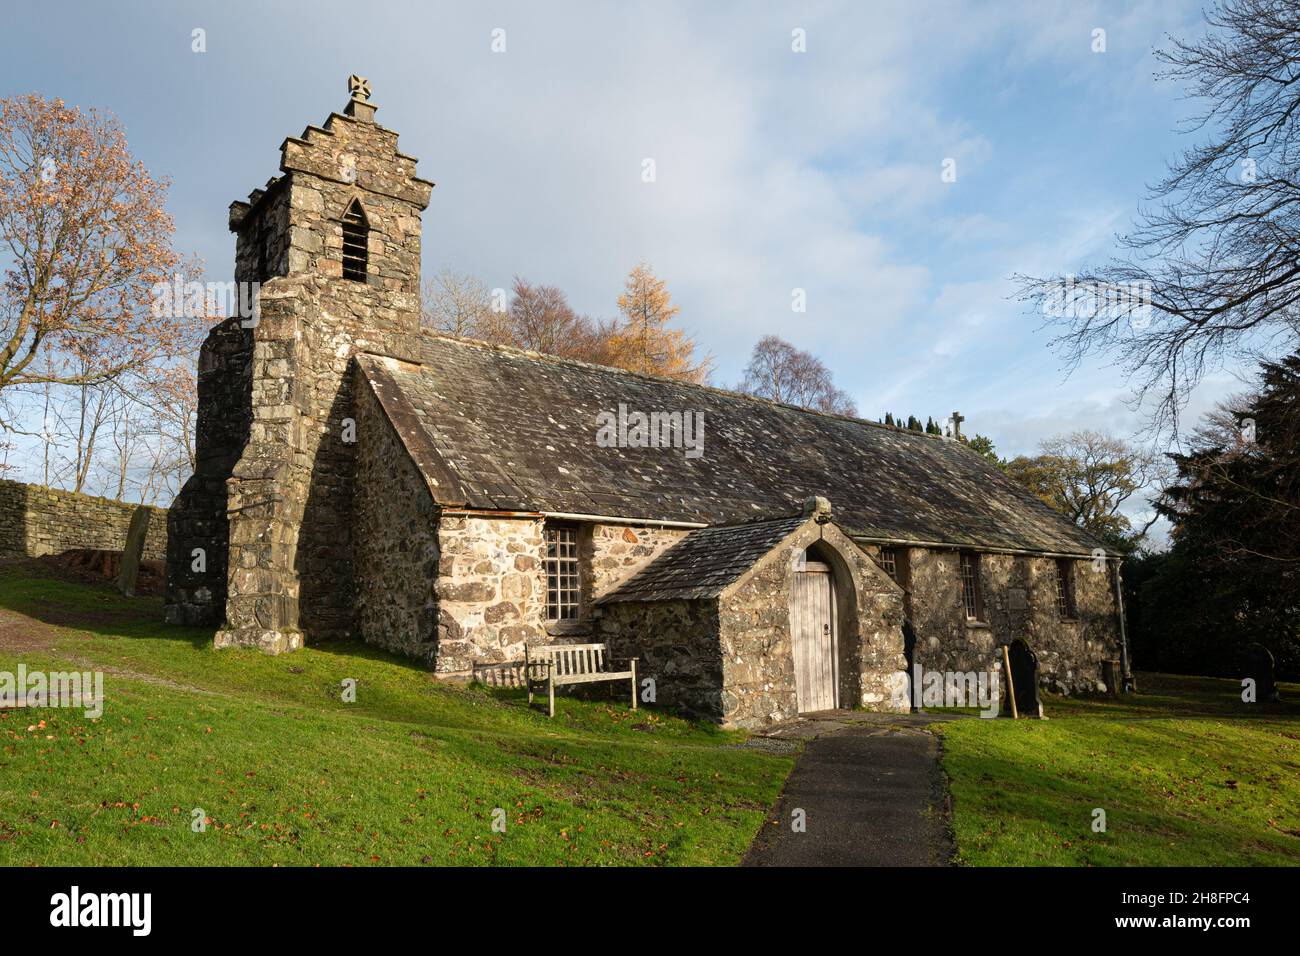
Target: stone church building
(449, 500)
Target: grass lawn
(1186, 773)
(286, 773)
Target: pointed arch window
(356, 239)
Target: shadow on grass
(1164, 696)
(389, 686)
(29, 587)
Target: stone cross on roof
(359, 87)
(957, 419)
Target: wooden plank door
(812, 618)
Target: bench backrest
(571, 659)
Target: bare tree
(1238, 489)
(540, 319)
(1222, 426)
(780, 372)
(456, 304)
(1212, 270)
(1089, 476)
(87, 413)
(91, 408)
(172, 400)
(126, 438)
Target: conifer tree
(643, 342)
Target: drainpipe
(1126, 672)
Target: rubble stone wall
(677, 646)
(35, 520)
(195, 592)
(731, 659)
(491, 590)
(1020, 602)
(395, 546)
(492, 583)
(615, 552)
(290, 494)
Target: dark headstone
(909, 652)
(134, 550)
(1257, 662)
(1024, 674)
(1111, 672)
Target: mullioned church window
(971, 594)
(889, 562)
(563, 585)
(1065, 604)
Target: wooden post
(634, 683)
(528, 676)
(550, 688)
(1128, 684)
(1011, 684)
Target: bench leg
(550, 693)
(634, 683)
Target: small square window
(889, 562)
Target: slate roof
(704, 562)
(506, 430)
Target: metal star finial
(359, 87)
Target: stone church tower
(259, 539)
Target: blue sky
(775, 169)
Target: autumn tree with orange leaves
(643, 342)
(84, 239)
(90, 363)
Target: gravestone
(1257, 662)
(1024, 674)
(1110, 675)
(909, 653)
(133, 551)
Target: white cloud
(776, 170)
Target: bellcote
(346, 206)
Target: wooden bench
(558, 664)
